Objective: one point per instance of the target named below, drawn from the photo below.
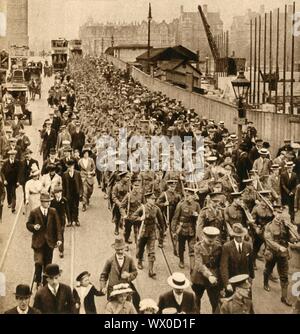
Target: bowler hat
(52, 270)
(23, 290)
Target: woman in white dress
(87, 171)
(33, 189)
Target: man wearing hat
(53, 160)
(183, 225)
(243, 165)
(54, 297)
(12, 146)
(273, 183)
(151, 219)
(72, 190)
(11, 175)
(262, 164)
(206, 275)
(51, 178)
(119, 268)
(49, 138)
(183, 301)
(60, 204)
(262, 215)
(277, 237)
(237, 256)
(130, 203)
(23, 295)
(254, 152)
(249, 195)
(119, 191)
(240, 302)
(23, 143)
(286, 147)
(288, 183)
(45, 226)
(78, 138)
(72, 125)
(212, 215)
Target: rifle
(142, 224)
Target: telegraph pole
(149, 36)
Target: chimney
(205, 9)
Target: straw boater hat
(120, 289)
(178, 281)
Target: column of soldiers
(244, 204)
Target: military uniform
(249, 197)
(262, 215)
(172, 198)
(184, 225)
(277, 235)
(207, 263)
(118, 193)
(130, 203)
(235, 305)
(147, 181)
(213, 216)
(234, 214)
(147, 236)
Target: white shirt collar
(178, 298)
(52, 290)
(121, 262)
(22, 312)
(238, 245)
(44, 211)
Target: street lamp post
(207, 72)
(149, 36)
(241, 88)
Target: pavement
(88, 247)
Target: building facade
(17, 23)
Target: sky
(62, 18)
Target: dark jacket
(50, 233)
(31, 310)
(62, 209)
(66, 185)
(187, 306)
(232, 263)
(11, 172)
(89, 300)
(78, 141)
(25, 170)
(62, 303)
(287, 185)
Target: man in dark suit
(23, 294)
(182, 301)
(25, 169)
(288, 184)
(49, 137)
(119, 268)
(243, 166)
(44, 224)
(237, 256)
(60, 204)
(54, 297)
(78, 138)
(72, 190)
(52, 160)
(11, 174)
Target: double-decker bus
(59, 54)
(75, 47)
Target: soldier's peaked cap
(211, 231)
(238, 279)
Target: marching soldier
(206, 272)
(262, 215)
(240, 302)
(249, 195)
(151, 219)
(212, 215)
(183, 225)
(273, 183)
(119, 191)
(130, 203)
(277, 236)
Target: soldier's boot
(284, 297)
(266, 282)
(151, 273)
(192, 263)
(140, 265)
